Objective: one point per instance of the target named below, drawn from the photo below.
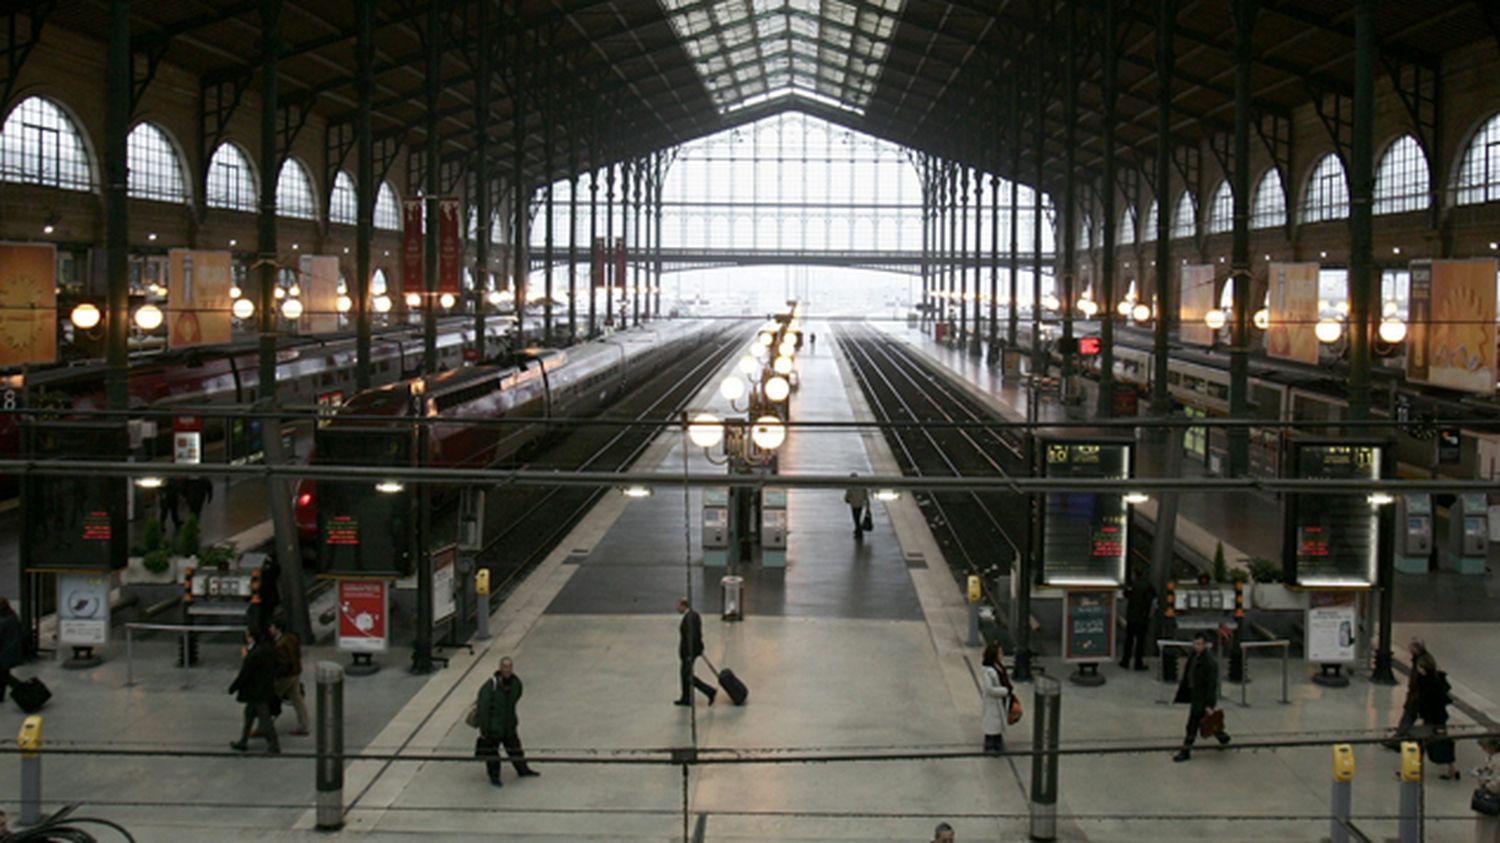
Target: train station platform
(861, 689)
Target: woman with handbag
(1433, 697)
(1200, 690)
(998, 696)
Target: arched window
(1401, 180)
(1127, 227)
(1479, 172)
(343, 202)
(1085, 234)
(1268, 209)
(40, 145)
(378, 285)
(231, 182)
(294, 196)
(1221, 210)
(497, 229)
(1327, 194)
(155, 170)
(1185, 221)
(1148, 233)
(387, 213)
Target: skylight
(752, 51)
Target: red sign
(450, 247)
(97, 527)
(362, 615)
(619, 279)
(341, 529)
(411, 246)
(1088, 346)
(596, 263)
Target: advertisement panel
(83, 609)
(1332, 624)
(198, 297)
(1088, 630)
(320, 294)
(362, 616)
(28, 303)
(596, 264)
(187, 439)
(450, 247)
(1293, 313)
(411, 246)
(444, 600)
(1197, 282)
(1452, 325)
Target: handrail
(1285, 646)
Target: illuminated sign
(1332, 539)
(76, 521)
(1088, 346)
(1085, 534)
(365, 532)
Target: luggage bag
(731, 684)
(31, 694)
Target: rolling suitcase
(1440, 748)
(30, 695)
(731, 684)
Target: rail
(186, 631)
(1285, 647)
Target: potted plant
(217, 556)
(150, 561)
(1269, 591)
(187, 544)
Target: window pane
(1221, 212)
(1327, 196)
(1185, 221)
(155, 170)
(1269, 207)
(387, 215)
(294, 196)
(1479, 174)
(40, 145)
(231, 184)
(1401, 180)
(342, 205)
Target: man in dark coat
(1422, 664)
(197, 491)
(1200, 689)
(255, 686)
(1138, 600)
(689, 648)
(167, 497)
(12, 646)
(495, 714)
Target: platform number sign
(1084, 533)
(1332, 540)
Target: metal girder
(291, 118)
(218, 101)
(339, 140)
(1419, 87)
(387, 148)
(1336, 118)
(1221, 144)
(145, 60)
(165, 34)
(1188, 161)
(19, 42)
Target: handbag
(471, 717)
(1013, 711)
(1212, 723)
(1485, 801)
(868, 523)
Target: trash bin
(730, 589)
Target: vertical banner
(320, 293)
(450, 247)
(187, 439)
(596, 264)
(411, 245)
(1452, 341)
(197, 297)
(1293, 313)
(1332, 621)
(28, 303)
(620, 279)
(1197, 300)
(362, 616)
(1088, 629)
(83, 609)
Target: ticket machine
(1413, 533)
(716, 528)
(773, 528)
(1468, 534)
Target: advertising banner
(450, 247)
(1088, 630)
(444, 601)
(320, 294)
(362, 616)
(28, 303)
(83, 609)
(187, 439)
(620, 278)
(1197, 300)
(1452, 325)
(198, 297)
(1294, 312)
(411, 246)
(1332, 624)
(596, 264)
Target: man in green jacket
(495, 714)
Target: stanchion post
(29, 741)
(330, 766)
(1046, 723)
(975, 592)
(1343, 792)
(1411, 792)
(482, 604)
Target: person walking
(168, 496)
(812, 344)
(1139, 598)
(995, 696)
(1200, 689)
(689, 648)
(495, 714)
(288, 650)
(1433, 698)
(943, 833)
(859, 504)
(197, 491)
(255, 686)
(1422, 664)
(12, 646)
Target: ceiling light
(292, 309)
(390, 487)
(886, 495)
(1262, 319)
(636, 491)
(732, 388)
(149, 482)
(382, 304)
(344, 304)
(777, 389)
(706, 431)
(1136, 498)
(242, 309)
(1392, 330)
(447, 301)
(148, 317)
(1328, 330)
(768, 434)
(86, 316)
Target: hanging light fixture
(343, 303)
(1141, 312)
(706, 431)
(1214, 319)
(768, 434)
(1328, 330)
(292, 309)
(777, 389)
(242, 309)
(1262, 319)
(148, 317)
(413, 299)
(1393, 330)
(86, 316)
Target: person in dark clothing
(255, 686)
(1200, 689)
(197, 491)
(1433, 697)
(270, 597)
(495, 714)
(1139, 598)
(167, 497)
(859, 502)
(1422, 664)
(12, 646)
(689, 648)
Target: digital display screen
(1334, 537)
(1088, 346)
(1084, 534)
(365, 531)
(77, 520)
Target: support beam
(365, 190)
(1166, 19)
(1362, 286)
(520, 195)
(116, 206)
(1239, 261)
(1069, 219)
(1109, 92)
(483, 224)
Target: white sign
(187, 447)
(1332, 628)
(82, 609)
(444, 602)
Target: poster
(1452, 326)
(187, 439)
(82, 609)
(363, 611)
(1332, 629)
(319, 280)
(450, 247)
(28, 303)
(411, 246)
(1088, 626)
(596, 264)
(621, 279)
(444, 602)
(1293, 313)
(1197, 300)
(198, 297)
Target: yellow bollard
(482, 582)
(1343, 762)
(29, 741)
(1411, 761)
(974, 594)
(1343, 792)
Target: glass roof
(751, 51)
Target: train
(537, 384)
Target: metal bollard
(1411, 792)
(330, 766)
(30, 738)
(1046, 713)
(1343, 792)
(482, 608)
(975, 593)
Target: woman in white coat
(995, 696)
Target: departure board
(363, 531)
(1084, 533)
(1332, 540)
(77, 521)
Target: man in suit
(689, 648)
(1200, 689)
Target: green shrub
(216, 556)
(1220, 573)
(157, 561)
(190, 537)
(151, 540)
(1264, 570)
